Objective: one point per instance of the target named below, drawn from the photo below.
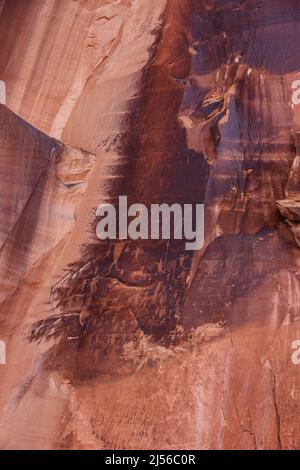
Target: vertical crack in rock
(277, 414)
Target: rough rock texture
(144, 344)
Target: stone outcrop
(142, 344)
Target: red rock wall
(142, 344)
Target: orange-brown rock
(142, 344)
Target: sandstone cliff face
(142, 344)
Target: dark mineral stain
(119, 288)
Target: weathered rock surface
(144, 344)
